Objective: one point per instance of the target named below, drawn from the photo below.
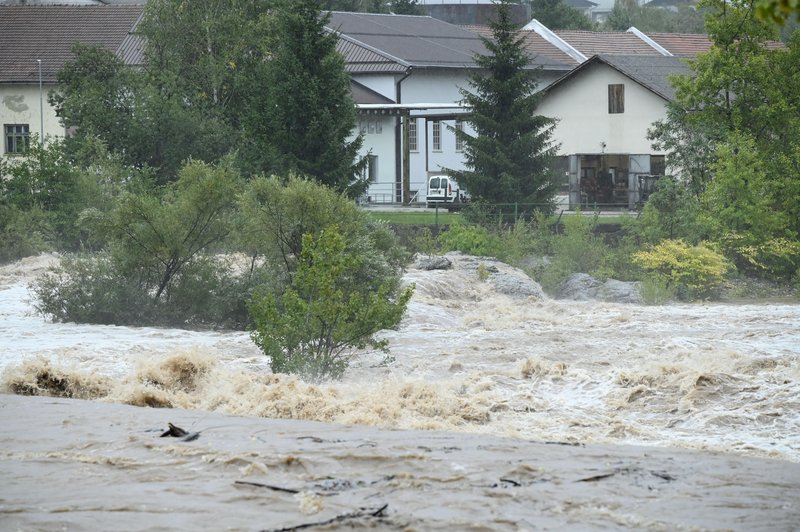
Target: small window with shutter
(616, 99)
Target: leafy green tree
(670, 212)
(155, 236)
(778, 11)
(627, 13)
(204, 52)
(327, 311)
(158, 267)
(557, 15)
(99, 97)
(743, 214)
(742, 85)
(303, 116)
(508, 160)
(276, 215)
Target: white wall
(581, 105)
(379, 140)
(19, 104)
(383, 84)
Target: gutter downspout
(401, 151)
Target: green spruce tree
(304, 115)
(508, 160)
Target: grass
(422, 217)
(429, 217)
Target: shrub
(775, 258)
(326, 311)
(94, 289)
(578, 250)
(693, 271)
(656, 289)
(23, 233)
(470, 239)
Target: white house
(605, 107)
(35, 43)
(417, 65)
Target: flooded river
(467, 358)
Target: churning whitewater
(470, 356)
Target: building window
(372, 168)
(437, 135)
(18, 137)
(658, 165)
(616, 99)
(459, 140)
(412, 134)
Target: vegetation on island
(178, 200)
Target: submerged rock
(504, 279)
(434, 263)
(584, 287)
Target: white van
(444, 191)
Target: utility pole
(41, 106)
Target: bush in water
(312, 326)
(693, 271)
(578, 250)
(94, 289)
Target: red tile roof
(591, 43)
(537, 47)
(682, 44)
(28, 33)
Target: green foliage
(557, 15)
(138, 120)
(95, 289)
(776, 258)
(670, 212)
(276, 215)
(509, 159)
(778, 11)
(23, 233)
(627, 13)
(692, 271)
(301, 116)
(470, 239)
(154, 271)
(741, 85)
(741, 199)
(578, 250)
(158, 235)
(656, 290)
(326, 311)
(43, 195)
(91, 290)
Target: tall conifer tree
(508, 160)
(304, 115)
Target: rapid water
(466, 358)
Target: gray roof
(28, 33)
(650, 71)
(409, 41)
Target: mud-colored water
(709, 394)
(466, 358)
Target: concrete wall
(19, 104)
(581, 105)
